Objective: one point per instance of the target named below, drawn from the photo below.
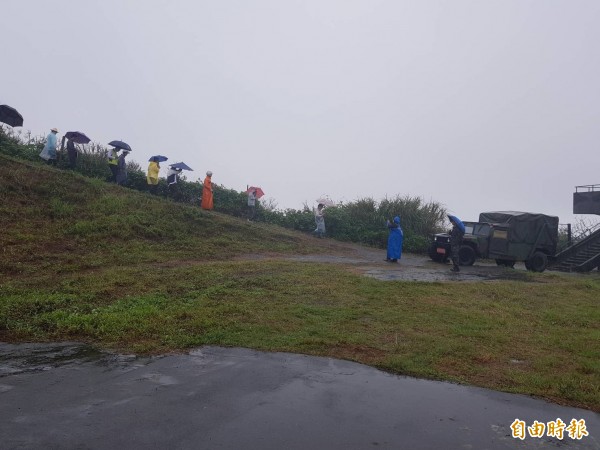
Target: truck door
(499, 241)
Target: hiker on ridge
(320, 220)
(207, 192)
(49, 152)
(251, 204)
(113, 163)
(122, 168)
(152, 177)
(72, 153)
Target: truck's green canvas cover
(526, 229)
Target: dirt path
(411, 267)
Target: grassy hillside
(89, 261)
(52, 218)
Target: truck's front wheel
(466, 255)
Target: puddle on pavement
(34, 357)
(226, 398)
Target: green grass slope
(53, 218)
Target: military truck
(505, 236)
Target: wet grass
(96, 263)
(534, 338)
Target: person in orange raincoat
(207, 192)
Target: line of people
(116, 162)
(50, 154)
(173, 174)
(117, 165)
(118, 168)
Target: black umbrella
(181, 165)
(120, 145)
(10, 116)
(77, 137)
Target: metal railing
(571, 240)
(586, 232)
(588, 188)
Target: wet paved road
(68, 396)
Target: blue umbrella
(158, 158)
(181, 165)
(77, 137)
(120, 145)
(456, 221)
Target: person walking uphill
(152, 177)
(113, 163)
(395, 240)
(207, 192)
(456, 235)
(320, 220)
(122, 169)
(72, 153)
(251, 205)
(49, 151)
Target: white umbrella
(326, 201)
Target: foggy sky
(478, 105)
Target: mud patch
(33, 357)
(444, 274)
(371, 262)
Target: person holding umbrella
(173, 175)
(122, 168)
(114, 158)
(251, 204)
(456, 236)
(207, 192)
(254, 193)
(49, 152)
(320, 220)
(73, 137)
(113, 163)
(72, 153)
(153, 169)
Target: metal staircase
(582, 256)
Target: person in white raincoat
(49, 152)
(320, 220)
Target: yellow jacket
(153, 169)
(113, 157)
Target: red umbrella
(259, 191)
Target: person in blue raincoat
(395, 240)
(49, 151)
